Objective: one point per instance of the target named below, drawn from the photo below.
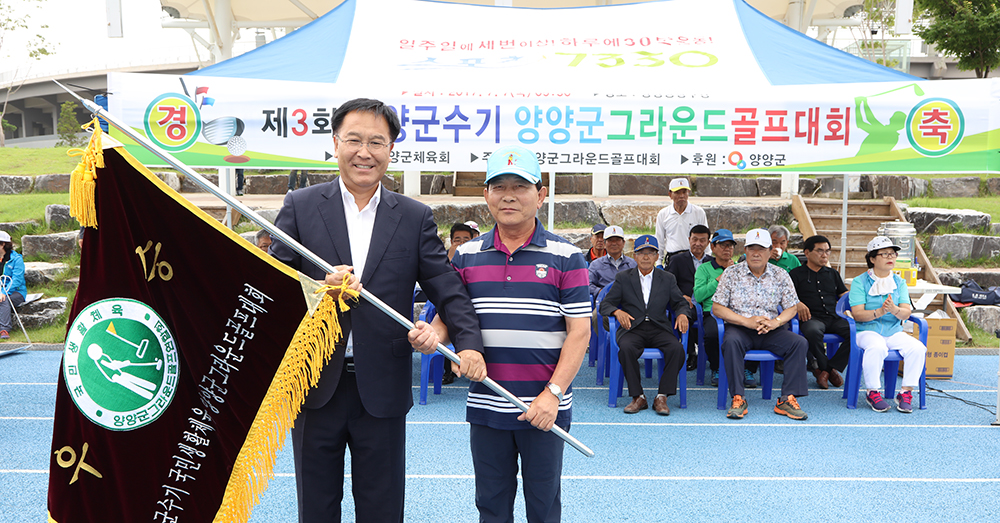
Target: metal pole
(843, 231)
(306, 253)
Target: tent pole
(552, 200)
(843, 230)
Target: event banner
(183, 365)
(947, 127)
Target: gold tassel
(83, 179)
(311, 348)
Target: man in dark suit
(639, 300)
(683, 267)
(385, 242)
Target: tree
(966, 29)
(69, 126)
(14, 21)
(877, 17)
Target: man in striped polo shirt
(530, 290)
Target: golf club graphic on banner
(939, 127)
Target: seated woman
(14, 289)
(879, 303)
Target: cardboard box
(942, 327)
(908, 274)
(940, 357)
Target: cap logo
(510, 159)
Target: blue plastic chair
(891, 367)
(603, 368)
(592, 348)
(766, 359)
(430, 363)
(617, 381)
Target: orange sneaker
(790, 407)
(739, 408)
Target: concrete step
(854, 221)
(872, 208)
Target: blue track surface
(940, 464)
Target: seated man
(604, 269)
(262, 239)
(639, 302)
(747, 299)
(683, 266)
(706, 279)
(779, 248)
(819, 287)
(596, 243)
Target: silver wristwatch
(555, 390)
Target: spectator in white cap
(879, 304)
(12, 287)
(604, 269)
(748, 299)
(674, 223)
(475, 228)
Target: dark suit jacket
(626, 294)
(682, 267)
(404, 249)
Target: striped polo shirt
(522, 299)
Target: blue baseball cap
(646, 241)
(513, 159)
(723, 235)
(599, 227)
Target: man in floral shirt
(748, 300)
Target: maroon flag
(187, 357)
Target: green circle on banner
(120, 364)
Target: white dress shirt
(646, 282)
(673, 228)
(360, 224)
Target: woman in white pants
(879, 304)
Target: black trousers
(320, 437)
(782, 342)
(813, 331)
(638, 338)
(711, 341)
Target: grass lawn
(988, 205)
(32, 162)
(31, 206)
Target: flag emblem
(120, 364)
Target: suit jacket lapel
(386, 220)
(332, 212)
(637, 287)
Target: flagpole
(306, 253)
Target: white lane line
(825, 479)
(664, 425)
(738, 424)
(715, 478)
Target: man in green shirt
(779, 245)
(706, 279)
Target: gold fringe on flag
(311, 348)
(83, 179)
